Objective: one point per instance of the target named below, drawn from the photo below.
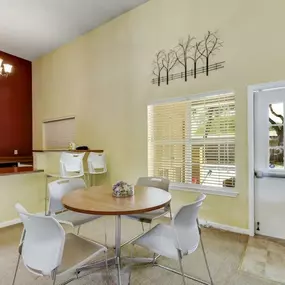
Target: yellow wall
(27, 189)
(103, 78)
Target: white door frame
(250, 128)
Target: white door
(269, 163)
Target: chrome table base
(119, 261)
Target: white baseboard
(13, 222)
(209, 224)
(10, 223)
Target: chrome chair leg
(78, 230)
(132, 250)
(131, 240)
(204, 253)
(136, 237)
(105, 234)
(181, 266)
(179, 273)
(153, 259)
(89, 179)
(142, 226)
(53, 276)
(143, 229)
(66, 282)
(206, 261)
(46, 195)
(107, 268)
(170, 213)
(16, 270)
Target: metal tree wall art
(187, 55)
(211, 44)
(182, 52)
(169, 60)
(196, 56)
(158, 66)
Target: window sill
(225, 191)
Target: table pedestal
(118, 247)
(117, 260)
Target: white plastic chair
(47, 251)
(96, 164)
(177, 240)
(70, 166)
(57, 189)
(148, 217)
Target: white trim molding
(15, 221)
(209, 224)
(225, 191)
(10, 223)
(58, 119)
(189, 97)
(250, 123)
(222, 227)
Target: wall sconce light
(5, 68)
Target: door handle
(261, 174)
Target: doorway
(268, 163)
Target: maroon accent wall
(16, 107)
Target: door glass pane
(276, 136)
(276, 113)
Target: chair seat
(148, 216)
(99, 172)
(50, 174)
(77, 252)
(161, 240)
(74, 218)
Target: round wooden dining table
(98, 200)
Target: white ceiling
(31, 28)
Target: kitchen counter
(16, 159)
(66, 150)
(18, 170)
(23, 185)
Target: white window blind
(193, 141)
(59, 133)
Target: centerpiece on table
(122, 189)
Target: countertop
(18, 170)
(16, 158)
(66, 150)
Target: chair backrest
(96, 163)
(57, 189)
(43, 244)
(157, 182)
(71, 164)
(185, 224)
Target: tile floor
(225, 253)
(265, 258)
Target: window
(192, 140)
(57, 134)
(276, 136)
